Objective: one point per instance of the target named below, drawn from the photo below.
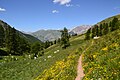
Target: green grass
(102, 59)
(27, 69)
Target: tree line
(16, 44)
(102, 29)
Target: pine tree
(110, 25)
(65, 38)
(58, 41)
(35, 48)
(2, 36)
(106, 28)
(13, 40)
(101, 30)
(93, 32)
(23, 46)
(87, 36)
(7, 39)
(114, 24)
(54, 41)
(96, 30)
(46, 44)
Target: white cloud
(2, 9)
(55, 11)
(62, 2)
(69, 5)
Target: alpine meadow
(61, 50)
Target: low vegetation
(102, 60)
(21, 60)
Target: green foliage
(65, 38)
(101, 60)
(2, 36)
(24, 46)
(87, 37)
(47, 44)
(55, 41)
(27, 69)
(36, 48)
(93, 32)
(16, 42)
(114, 24)
(103, 28)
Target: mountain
(80, 29)
(45, 35)
(4, 26)
(100, 60)
(52, 35)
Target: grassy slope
(102, 59)
(29, 69)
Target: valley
(87, 52)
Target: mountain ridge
(52, 35)
(28, 37)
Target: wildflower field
(30, 69)
(102, 60)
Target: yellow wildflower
(105, 49)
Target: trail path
(80, 72)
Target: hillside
(105, 51)
(100, 61)
(103, 58)
(52, 35)
(29, 38)
(45, 35)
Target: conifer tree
(13, 40)
(8, 39)
(106, 28)
(114, 24)
(35, 48)
(65, 38)
(54, 41)
(96, 30)
(93, 32)
(87, 36)
(23, 46)
(2, 36)
(46, 44)
(101, 30)
(110, 25)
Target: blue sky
(33, 15)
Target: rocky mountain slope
(80, 29)
(52, 35)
